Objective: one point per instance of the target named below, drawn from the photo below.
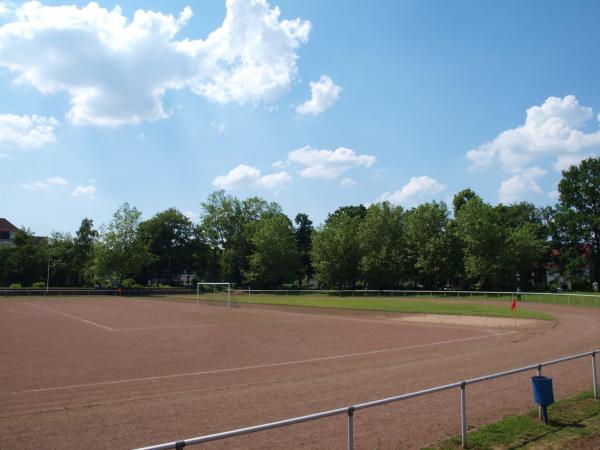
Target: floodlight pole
(48, 270)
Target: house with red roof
(7, 232)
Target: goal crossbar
(215, 285)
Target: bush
(39, 284)
(15, 286)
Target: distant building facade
(7, 232)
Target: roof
(5, 225)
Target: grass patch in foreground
(395, 305)
(573, 422)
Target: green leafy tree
(381, 238)
(169, 238)
(433, 249)
(276, 259)
(120, 253)
(303, 232)
(63, 271)
(228, 224)
(85, 238)
(579, 212)
(482, 242)
(26, 262)
(336, 251)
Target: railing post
(463, 415)
(350, 428)
(540, 409)
(179, 445)
(594, 379)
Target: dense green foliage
(251, 242)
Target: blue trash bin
(542, 390)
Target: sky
(310, 104)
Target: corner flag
(513, 307)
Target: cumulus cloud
(116, 71)
(244, 176)
(563, 162)
(88, 191)
(45, 185)
(417, 190)
(324, 94)
(554, 128)
(521, 185)
(327, 164)
(26, 132)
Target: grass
(388, 305)
(573, 422)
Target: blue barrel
(542, 390)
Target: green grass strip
(396, 305)
(573, 422)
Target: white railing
(350, 410)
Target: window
(4, 235)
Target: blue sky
(322, 105)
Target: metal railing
(127, 292)
(350, 410)
(567, 298)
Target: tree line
(468, 245)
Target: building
(7, 232)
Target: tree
(303, 232)
(433, 249)
(579, 210)
(63, 270)
(276, 258)
(25, 262)
(168, 236)
(462, 198)
(227, 224)
(85, 238)
(381, 238)
(120, 252)
(481, 239)
(336, 251)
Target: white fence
(349, 411)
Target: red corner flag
(513, 307)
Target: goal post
(220, 291)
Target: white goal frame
(213, 284)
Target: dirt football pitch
(120, 373)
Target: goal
(219, 293)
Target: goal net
(214, 293)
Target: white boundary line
(71, 316)
(259, 366)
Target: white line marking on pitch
(259, 366)
(71, 316)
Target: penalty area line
(71, 316)
(258, 366)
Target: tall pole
(48, 271)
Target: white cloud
(280, 164)
(60, 181)
(84, 191)
(45, 185)
(554, 195)
(521, 185)
(36, 186)
(116, 71)
(348, 182)
(563, 162)
(26, 132)
(324, 94)
(418, 189)
(244, 176)
(328, 164)
(552, 129)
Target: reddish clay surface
(104, 373)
